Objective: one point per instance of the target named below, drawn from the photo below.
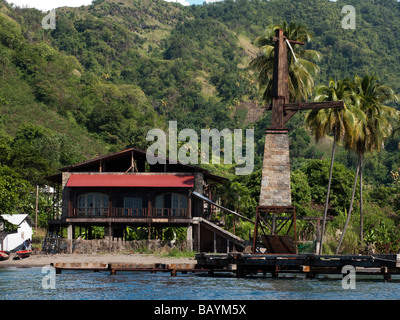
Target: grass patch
(176, 253)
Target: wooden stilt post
(109, 236)
(199, 237)
(255, 234)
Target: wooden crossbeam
(298, 106)
(290, 109)
(291, 41)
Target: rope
(291, 49)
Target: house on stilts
(123, 189)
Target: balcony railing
(169, 212)
(128, 212)
(90, 212)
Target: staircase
(208, 237)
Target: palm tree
(372, 128)
(301, 73)
(338, 122)
(373, 96)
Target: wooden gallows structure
(275, 195)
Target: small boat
(4, 255)
(22, 254)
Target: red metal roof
(130, 180)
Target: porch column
(189, 237)
(110, 236)
(108, 232)
(149, 209)
(70, 233)
(149, 231)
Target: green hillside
(179, 61)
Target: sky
(46, 5)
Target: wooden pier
(242, 265)
(309, 265)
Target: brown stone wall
(105, 246)
(275, 183)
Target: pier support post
(387, 276)
(173, 272)
(240, 272)
(275, 272)
(310, 275)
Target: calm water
(20, 283)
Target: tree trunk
(328, 192)
(350, 208)
(361, 201)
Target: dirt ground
(40, 259)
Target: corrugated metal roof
(131, 180)
(80, 166)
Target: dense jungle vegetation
(111, 71)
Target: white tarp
(14, 241)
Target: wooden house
(122, 189)
(14, 240)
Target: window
(133, 206)
(93, 204)
(171, 204)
